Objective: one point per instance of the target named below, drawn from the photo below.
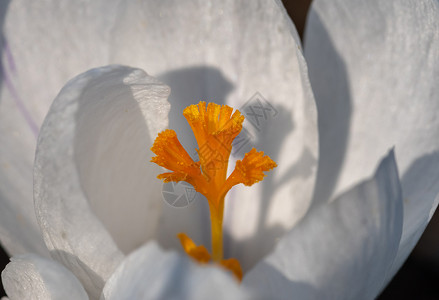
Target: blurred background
(419, 276)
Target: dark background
(419, 277)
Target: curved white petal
(342, 250)
(42, 45)
(30, 276)
(226, 52)
(150, 273)
(19, 232)
(374, 69)
(92, 160)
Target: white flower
(324, 225)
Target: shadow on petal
(271, 138)
(190, 86)
(331, 87)
(114, 128)
(281, 287)
(81, 270)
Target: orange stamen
(233, 265)
(199, 253)
(202, 256)
(215, 128)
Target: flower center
(215, 128)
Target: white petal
(374, 69)
(226, 51)
(29, 276)
(54, 43)
(342, 250)
(92, 159)
(150, 273)
(19, 232)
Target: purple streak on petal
(10, 86)
(9, 58)
(20, 104)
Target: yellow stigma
(215, 128)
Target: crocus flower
(334, 220)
